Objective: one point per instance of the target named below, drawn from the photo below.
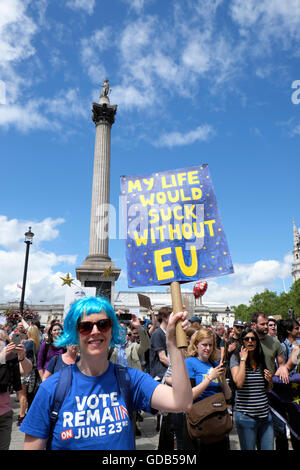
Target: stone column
(103, 116)
(98, 270)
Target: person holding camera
(13, 364)
(208, 378)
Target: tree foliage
(271, 304)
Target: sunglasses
(248, 338)
(86, 327)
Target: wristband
(21, 360)
(243, 359)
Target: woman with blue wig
(94, 415)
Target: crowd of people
(122, 368)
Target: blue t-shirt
(198, 370)
(93, 415)
(57, 363)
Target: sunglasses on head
(86, 327)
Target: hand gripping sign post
(174, 232)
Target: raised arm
(239, 372)
(179, 397)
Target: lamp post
(28, 240)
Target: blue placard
(174, 230)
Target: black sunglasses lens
(104, 325)
(86, 327)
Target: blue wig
(86, 306)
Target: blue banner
(174, 230)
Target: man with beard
(274, 358)
(271, 346)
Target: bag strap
(111, 350)
(62, 387)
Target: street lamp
(28, 240)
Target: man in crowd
(272, 327)
(219, 329)
(130, 352)
(271, 346)
(234, 340)
(159, 361)
(195, 322)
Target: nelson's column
(98, 270)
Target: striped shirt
(251, 399)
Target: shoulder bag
(209, 419)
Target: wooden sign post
(178, 307)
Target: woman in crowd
(48, 348)
(62, 360)
(289, 336)
(13, 363)
(252, 413)
(94, 414)
(208, 378)
(25, 397)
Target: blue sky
(195, 81)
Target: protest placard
(174, 229)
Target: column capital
(104, 113)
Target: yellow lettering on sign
(160, 265)
(134, 185)
(166, 185)
(149, 183)
(147, 201)
(196, 193)
(210, 226)
(193, 177)
(141, 240)
(153, 213)
(175, 210)
(187, 270)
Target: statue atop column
(105, 91)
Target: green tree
(295, 297)
(266, 301)
(283, 304)
(242, 312)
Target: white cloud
(248, 280)
(295, 131)
(268, 20)
(136, 5)
(130, 97)
(173, 139)
(43, 282)
(17, 31)
(86, 5)
(44, 113)
(24, 118)
(12, 231)
(90, 53)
